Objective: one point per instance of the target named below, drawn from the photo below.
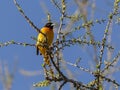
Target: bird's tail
(49, 71)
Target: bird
(45, 38)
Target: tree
(78, 30)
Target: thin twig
(16, 43)
(75, 41)
(81, 68)
(62, 85)
(110, 80)
(76, 83)
(56, 4)
(27, 19)
(63, 5)
(60, 27)
(80, 84)
(60, 73)
(104, 40)
(110, 64)
(62, 11)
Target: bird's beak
(53, 24)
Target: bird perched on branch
(44, 40)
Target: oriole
(46, 37)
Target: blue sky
(14, 27)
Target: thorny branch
(16, 43)
(111, 63)
(60, 44)
(55, 44)
(79, 67)
(27, 19)
(57, 5)
(94, 73)
(65, 79)
(104, 40)
(62, 11)
(62, 85)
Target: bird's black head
(49, 25)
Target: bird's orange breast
(49, 34)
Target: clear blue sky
(14, 27)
